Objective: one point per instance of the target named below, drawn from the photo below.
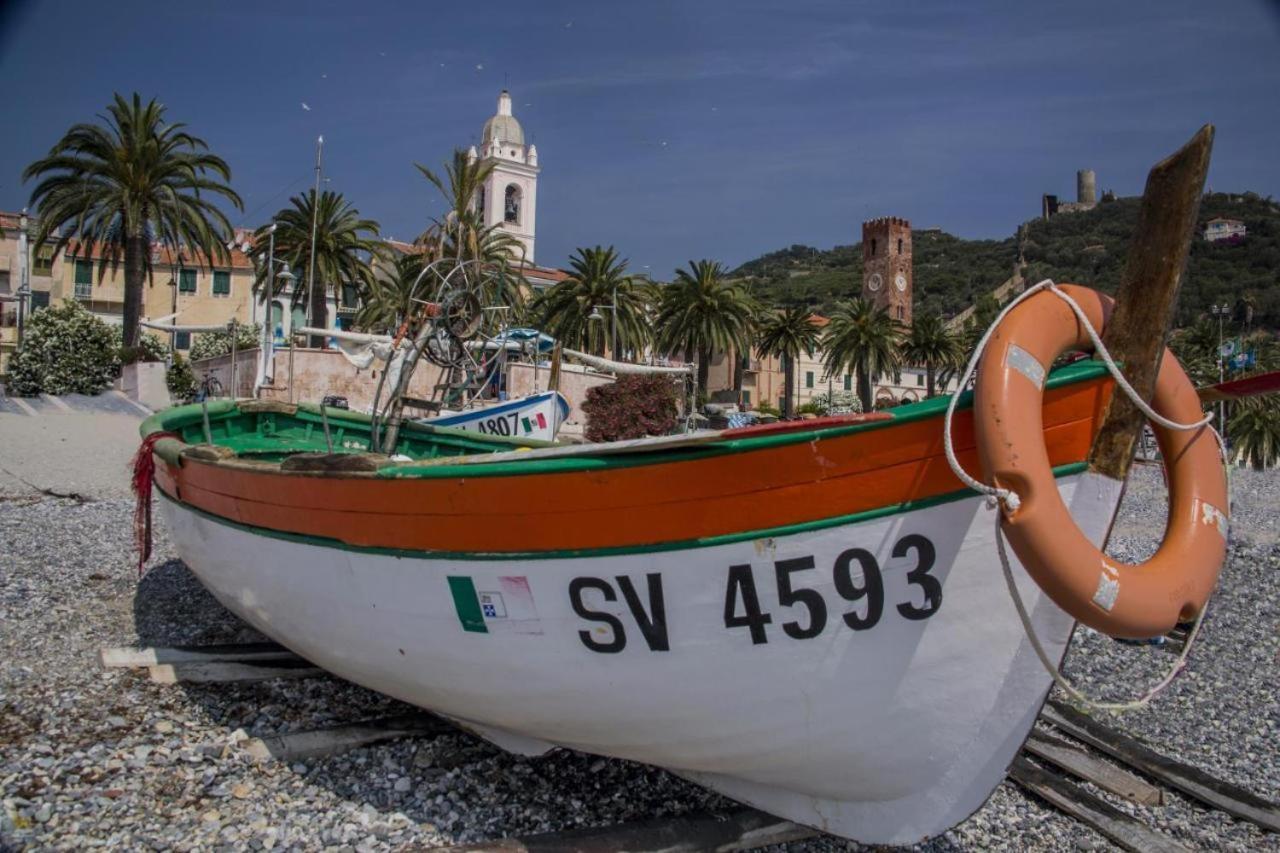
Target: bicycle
(209, 388)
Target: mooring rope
(1011, 502)
(144, 469)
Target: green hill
(1087, 248)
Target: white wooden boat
(807, 617)
(536, 416)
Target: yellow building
(201, 293)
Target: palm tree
(862, 339)
(701, 311)
(126, 181)
(388, 300)
(1255, 431)
(461, 185)
(786, 334)
(344, 243)
(564, 310)
(495, 277)
(932, 345)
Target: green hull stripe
(467, 603)
(683, 545)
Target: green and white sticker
(505, 605)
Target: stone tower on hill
(886, 266)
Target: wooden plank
(745, 829)
(225, 672)
(1191, 781)
(1148, 294)
(338, 739)
(113, 658)
(1071, 799)
(1090, 768)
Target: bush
(149, 348)
(65, 350)
(214, 344)
(180, 379)
(813, 407)
(839, 403)
(632, 407)
(766, 409)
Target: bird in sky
(305, 107)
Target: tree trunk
(928, 380)
(135, 262)
(864, 389)
(738, 371)
(704, 369)
(319, 315)
(788, 386)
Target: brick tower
(886, 265)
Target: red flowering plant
(632, 407)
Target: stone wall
(315, 374)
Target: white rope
(1008, 497)
(1052, 668)
(1011, 501)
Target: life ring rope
(1007, 497)
(1010, 501)
(1061, 680)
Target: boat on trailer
(809, 617)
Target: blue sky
(673, 130)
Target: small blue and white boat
(537, 416)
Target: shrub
(149, 348)
(214, 344)
(766, 409)
(839, 403)
(632, 407)
(813, 407)
(65, 350)
(180, 379)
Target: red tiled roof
(818, 320)
(545, 273)
(161, 254)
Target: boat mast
(1148, 294)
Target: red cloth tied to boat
(144, 470)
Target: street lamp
(1221, 312)
(596, 316)
(24, 275)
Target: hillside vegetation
(1086, 248)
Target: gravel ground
(106, 758)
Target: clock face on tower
(874, 282)
(900, 281)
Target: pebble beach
(93, 757)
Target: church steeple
(510, 190)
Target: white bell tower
(510, 198)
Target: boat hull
(869, 678)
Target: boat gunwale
(524, 459)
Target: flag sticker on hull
(503, 606)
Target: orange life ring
(1134, 601)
